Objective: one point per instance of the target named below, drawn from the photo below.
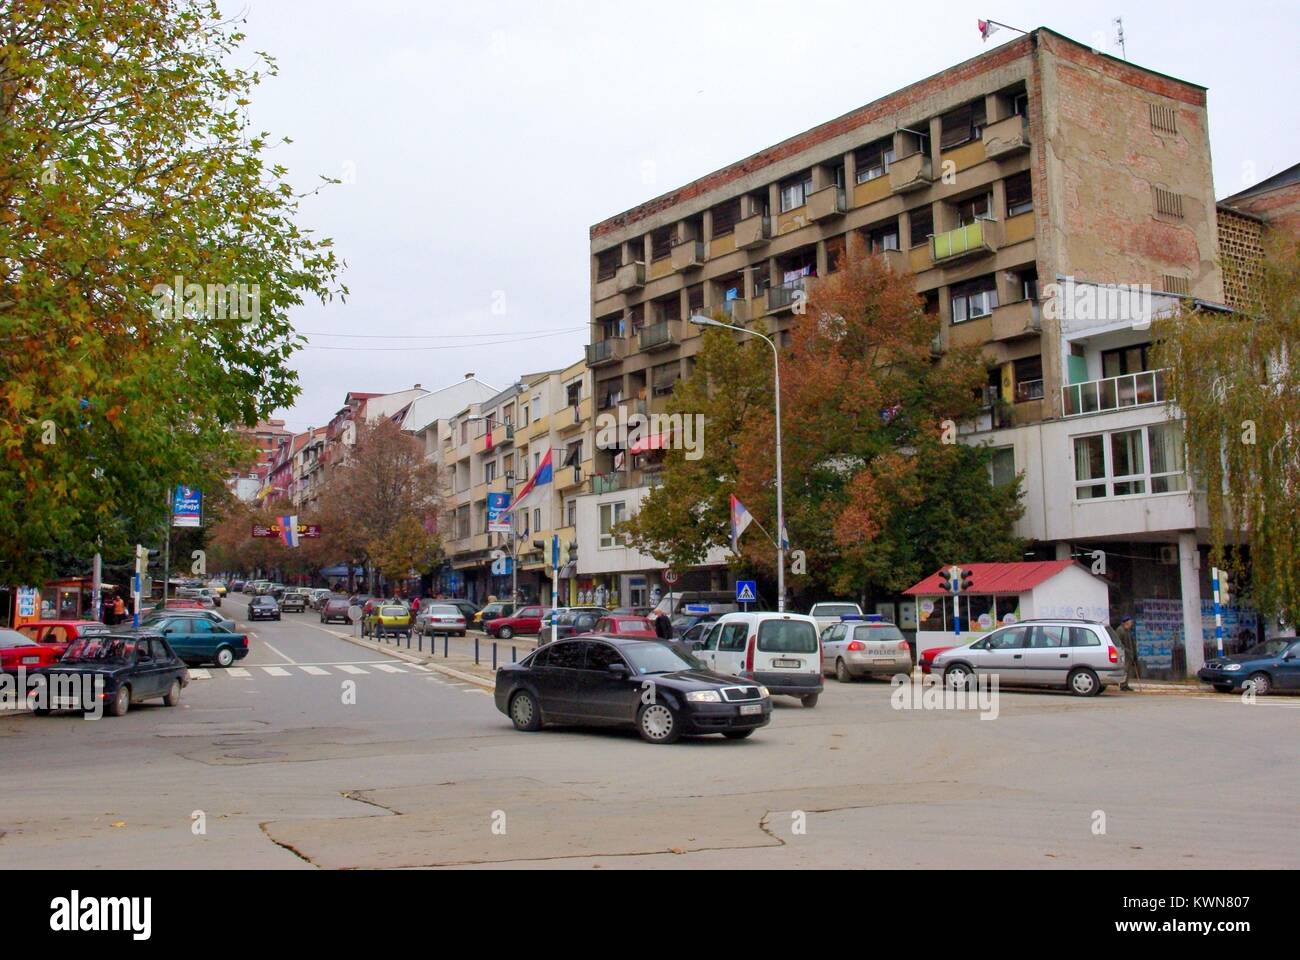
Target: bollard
(445, 637)
(419, 644)
(494, 654)
(476, 651)
(514, 657)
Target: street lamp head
(702, 321)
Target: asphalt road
(314, 751)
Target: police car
(862, 645)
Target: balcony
(1006, 137)
(688, 255)
(826, 203)
(609, 350)
(573, 416)
(974, 239)
(1113, 393)
(532, 430)
(896, 260)
(609, 482)
(1013, 321)
(631, 276)
(910, 173)
(737, 311)
(661, 336)
(753, 232)
(786, 295)
(568, 478)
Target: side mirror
(617, 669)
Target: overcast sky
(479, 141)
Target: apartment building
(1245, 218)
(1024, 190)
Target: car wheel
(737, 734)
(524, 713)
(842, 672)
(657, 723)
(1263, 683)
(225, 657)
(1083, 683)
(809, 700)
(506, 633)
(958, 676)
(121, 702)
(173, 694)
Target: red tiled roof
(997, 577)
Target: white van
(778, 650)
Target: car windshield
(100, 648)
(444, 610)
(12, 638)
(263, 601)
(1269, 648)
(392, 612)
(837, 609)
(654, 657)
(787, 636)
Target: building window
(661, 243)
(607, 263)
(573, 393)
(1134, 359)
(725, 216)
(537, 519)
(973, 208)
(794, 193)
(974, 299)
(872, 161)
(523, 416)
(1129, 463)
(571, 513)
(962, 125)
(835, 253)
(695, 298)
(1020, 194)
(922, 219)
(883, 238)
(1002, 467)
(611, 514)
(1029, 379)
(489, 471)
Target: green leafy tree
(408, 550)
(1236, 382)
(128, 172)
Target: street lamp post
(514, 540)
(703, 321)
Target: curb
(413, 658)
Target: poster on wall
(498, 520)
(187, 506)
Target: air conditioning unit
(1169, 554)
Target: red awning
(996, 577)
(657, 442)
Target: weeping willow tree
(1237, 381)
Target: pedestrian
(1127, 641)
(415, 604)
(663, 626)
(119, 609)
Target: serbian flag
(540, 476)
(289, 530)
(740, 519)
(987, 28)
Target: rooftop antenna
(1119, 36)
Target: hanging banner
(498, 520)
(309, 531)
(187, 507)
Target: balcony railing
(1029, 390)
(687, 254)
(910, 173)
(608, 482)
(1113, 393)
(753, 232)
(1006, 136)
(737, 311)
(605, 351)
(784, 296)
(659, 336)
(826, 202)
(973, 238)
(631, 276)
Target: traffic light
(945, 584)
(1224, 583)
(967, 582)
(573, 551)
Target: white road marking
(389, 668)
(276, 671)
(198, 673)
(314, 671)
(237, 672)
(348, 668)
(280, 654)
(420, 666)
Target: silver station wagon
(1083, 656)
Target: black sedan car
(613, 681)
(263, 607)
(1268, 666)
(135, 666)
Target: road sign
(746, 591)
(670, 577)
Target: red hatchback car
(18, 650)
(61, 632)
(626, 625)
(527, 619)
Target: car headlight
(763, 692)
(1232, 667)
(704, 696)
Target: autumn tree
(370, 500)
(1234, 380)
(149, 256)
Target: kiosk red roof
(996, 577)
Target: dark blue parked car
(1271, 665)
(132, 667)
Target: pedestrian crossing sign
(746, 591)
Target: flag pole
(998, 23)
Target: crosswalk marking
(276, 671)
(315, 671)
(237, 672)
(348, 668)
(389, 668)
(199, 674)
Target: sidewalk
(459, 659)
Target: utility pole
(167, 547)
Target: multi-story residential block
(1037, 171)
(1245, 218)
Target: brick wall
(1241, 247)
